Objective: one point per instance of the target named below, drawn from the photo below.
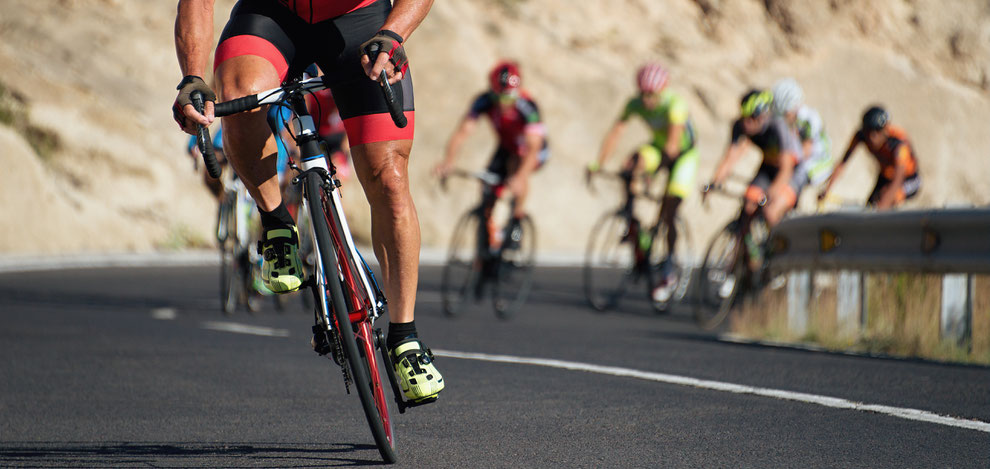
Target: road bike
(347, 297)
(498, 254)
(735, 264)
(622, 251)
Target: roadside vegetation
(14, 114)
(902, 319)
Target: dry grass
(903, 318)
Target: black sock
(278, 218)
(399, 331)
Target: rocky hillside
(93, 161)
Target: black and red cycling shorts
(267, 29)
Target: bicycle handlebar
(203, 139)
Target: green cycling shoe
(281, 271)
(419, 379)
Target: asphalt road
(130, 368)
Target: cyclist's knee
(245, 75)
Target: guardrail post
(957, 306)
(849, 302)
(798, 297)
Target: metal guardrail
(935, 241)
(954, 242)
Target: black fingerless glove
(391, 43)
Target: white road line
(238, 328)
(164, 314)
(826, 401)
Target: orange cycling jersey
(314, 11)
(895, 150)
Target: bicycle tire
(228, 258)
(461, 276)
(514, 268)
(610, 263)
(357, 359)
(681, 258)
(722, 264)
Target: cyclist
(267, 41)
(672, 148)
(898, 179)
(522, 143)
(781, 149)
(816, 165)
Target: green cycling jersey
(671, 110)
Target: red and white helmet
(651, 78)
(505, 77)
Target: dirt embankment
(89, 82)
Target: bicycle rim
(357, 359)
(228, 279)
(462, 273)
(609, 263)
(719, 280)
(514, 269)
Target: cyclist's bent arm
(530, 155)
(842, 163)
(673, 147)
(788, 161)
(464, 129)
(194, 35)
(732, 154)
(611, 139)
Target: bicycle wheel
(679, 265)
(227, 236)
(610, 261)
(361, 363)
(514, 268)
(720, 279)
(462, 278)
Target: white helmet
(787, 96)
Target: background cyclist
(815, 166)
(898, 178)
(672, 147)
(522, 143)
(781, 152)
(263, 43)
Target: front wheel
(361, 361)
(720, 279)
(610, 260)
(514, 267)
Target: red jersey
(314, 11)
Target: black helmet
(875, 118)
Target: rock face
(95, 80)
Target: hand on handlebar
(389, 55)
(185, 113)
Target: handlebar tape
(203, 139)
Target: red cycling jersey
(314, 11)
(511, 123)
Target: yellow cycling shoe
(281, 271)
(417, 376)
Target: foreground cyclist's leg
(252, 152)
(383, 169)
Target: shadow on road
(182, 454)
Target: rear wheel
(610, 261)
(462, 274)
(514, 267)
(720, 279)
(361, 361)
